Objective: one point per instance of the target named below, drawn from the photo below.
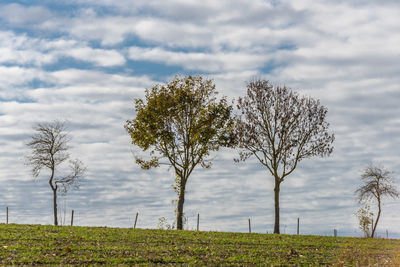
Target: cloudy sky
(85, 61)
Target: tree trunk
(276, 191)
(377, 219)
(179, 214)
(54, 188)
(55, 206)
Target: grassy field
(38, 244)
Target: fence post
(334, 232)
(198, 221)
(7, 216)
(387, 234)
(137, 214)
(72, 218)
(249, 226)
(298, 226)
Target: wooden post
(7, 216)
(249, 226)
(387, 234)
(137, 214)
(334, 232)
(298, 226)
(72, 218)
(198, 221)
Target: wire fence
(197, 222)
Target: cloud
(206, 62)
(109, 30)
(16, 76)
(24, 50)
(21, 15)
(101, 57)
(210, 24)
(20, 49)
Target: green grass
(38, 244)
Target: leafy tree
(180, 123)
(49, 147)
(281, 128)
(377, 183)
(365, 219)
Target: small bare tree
(281, 128)
(377, 183)
(50, 149)
(365, 219)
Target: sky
(85, 61)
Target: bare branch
(74, 178)
(49, 147)
(285, 127)
(377, 183)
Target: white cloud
(20, 15)
(101, 57)
(97, 79)
(109, 30)
(20, 49)
(207, 62)
(17, 76)
(24, 50)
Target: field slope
(37, 244)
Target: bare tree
(377, 183)
(50, 149)
(365, 219)
(280, 129)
